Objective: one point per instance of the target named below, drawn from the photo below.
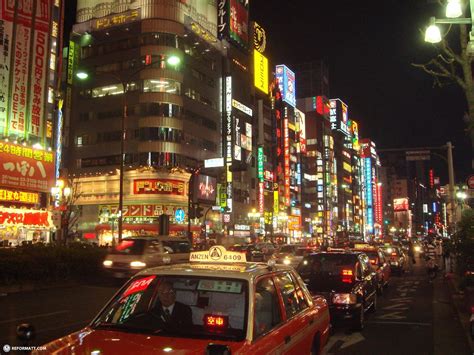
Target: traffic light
(192, 212)
(199, 212)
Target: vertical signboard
(260, 179)
(233, 21)
(286, 83)
(228, 139)
(286, 157)
(6, 31)
(24, 38)
(260, 71)
(301, 129)
(369, 194)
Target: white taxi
(216, 304)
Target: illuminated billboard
(301, 129)
(400, 204)
(206, 189)
(259, 38)
(25, 39)
(26, 168)
(260, 71)
(338, 116)
(286, 83)
(233, 21)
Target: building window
(162, 85)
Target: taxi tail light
(373, 261)
(393, 254)
(347, 275)
(216, 322)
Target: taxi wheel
(316, 347)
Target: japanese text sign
(159, 187)
(26, 167)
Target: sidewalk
(459, 303)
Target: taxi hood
(115, 342)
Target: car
(251, 252)
(294, 258)
(136, 253)
(396, 258)
(346, 280)
(378, 263)
(266, 248)
(223, 305)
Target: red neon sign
(215, 321)
(286, 157)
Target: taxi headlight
(138, 264)
(107, 263)
(417, 248)
(344, 298)
(389, 250)
(166, 259)
(286, 261)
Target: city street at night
(261, 177)
(411, 317)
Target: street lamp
(453, 13)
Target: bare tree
(455, 66)
(70, 209)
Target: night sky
(369, 46)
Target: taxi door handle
(287, 339)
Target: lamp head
(433, 34)
(453, 9)
(82, 75)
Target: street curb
(450, 279)
(28, 287)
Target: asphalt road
(414, 316)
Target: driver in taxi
(173, 313)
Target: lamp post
(453, 14)
(172, 60)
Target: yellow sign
(260, 71)
(19, 196)
(276, 203)
(116, 20)
(217, 254)
(347, 167)
(259, 38)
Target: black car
(251, 252)
(347, 282)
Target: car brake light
(216, 321)
(394, 254)
(373, 261)
(347, 275)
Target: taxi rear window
(201, 307)
(327, 264)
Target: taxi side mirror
(25, 332)
(217, 349)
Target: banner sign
(159, 187)
(146, 210)
(26, 167)
(23, 217)
(6, 32)
(19, 196)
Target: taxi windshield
(188, 307)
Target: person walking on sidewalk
(439, 252)
(430, 260)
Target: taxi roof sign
(363, 246)
(217, 254)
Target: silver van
(137, 253)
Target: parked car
(396, 257)
(378, 263)
(137, 253)
(292, 258)
(346, 280)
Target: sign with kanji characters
(26, 168)
(24, 217)
(148, 210)
(159, 187)
(19, 196)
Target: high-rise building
(183, 75)
(30, 60)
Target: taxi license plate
(120, 274)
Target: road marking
(341, 341)
(400, 323)
(392, 315)
(34, 316)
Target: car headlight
(417, 248)
(137, 264)
(344, 298)
(394, 263)
(286, 261)
(107, 263)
